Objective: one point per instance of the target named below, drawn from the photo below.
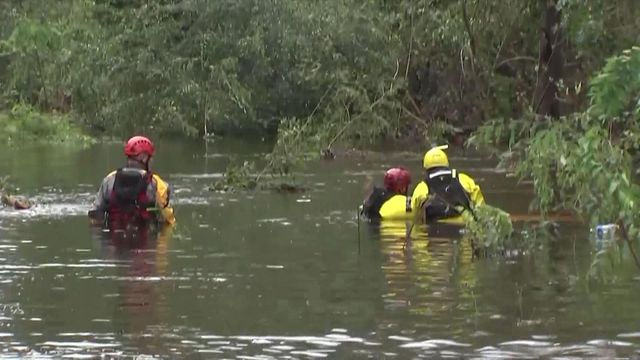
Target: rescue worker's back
(451, 191)
(134, 193)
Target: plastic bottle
(606, 231)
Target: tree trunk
(550, 61)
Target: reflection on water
(141, 289)
(289, 276)
(429, 269)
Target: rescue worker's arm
(473, 189)
(371, 206)
(101, 201)
(419, 196)
(163, 193)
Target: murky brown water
(283, 276)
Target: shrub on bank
(23, 123)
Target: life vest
(371, 206)
(129, 202)
(449, 197)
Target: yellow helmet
(436, 157)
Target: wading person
(133, 194)
(444, 192)
(391, 201)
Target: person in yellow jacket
(390, 202)
(134, 194)
(444, 192)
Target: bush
(584, 162)
(25, 124)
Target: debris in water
(526, 343)
(400, 338)
(16, 202)
(630, 335)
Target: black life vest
(449, 197)
(129, 202)
(371, 206)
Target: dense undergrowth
(25, 125)
(316, 74)
(583, 162)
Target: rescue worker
(444, 192)
(133, 194)
(390, 202)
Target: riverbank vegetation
(338, 71)
(23, 124)
(584, 161)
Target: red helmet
(139, 145)
(397, 180)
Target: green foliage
(615, 89)
(32, 45)
(200, 67)
(599, 29)
(347, 71)
(245, 177)
(584, 162)
(25, 124)
(237, 177)
(490, 230)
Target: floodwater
(264, 275)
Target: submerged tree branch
(625, 236)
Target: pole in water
(358, 216)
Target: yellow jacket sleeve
(473, 189)
(419, 195)
(162, 200)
